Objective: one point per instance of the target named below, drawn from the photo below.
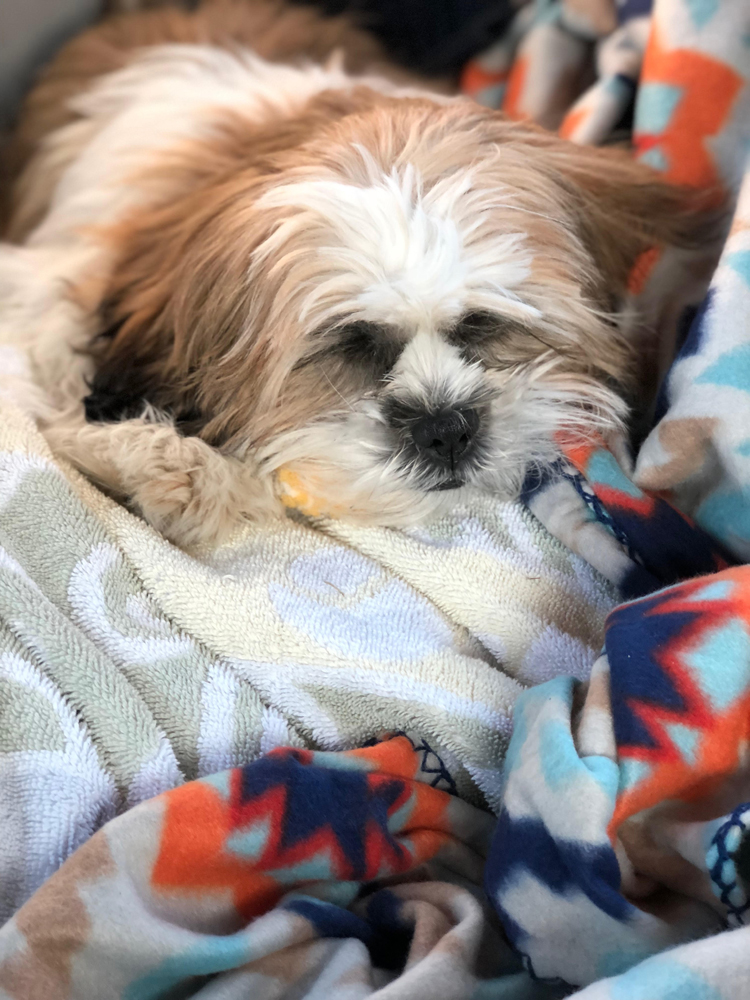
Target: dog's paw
(195, 496)
(190, 492)
(166, 499)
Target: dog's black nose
(446, 436)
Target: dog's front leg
(190, 492)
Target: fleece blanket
(623, 835)
(617, 867)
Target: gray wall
(30, 32)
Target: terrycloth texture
(128, 666)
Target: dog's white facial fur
(406, 266)
(389, 294)
(410, 267)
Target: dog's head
(389, 297)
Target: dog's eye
(362, 343)
(477, 326)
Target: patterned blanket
(617, 866)
(128, 667)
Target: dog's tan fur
(178, 299)
(273, 29)
(202, 302)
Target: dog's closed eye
(474, 326)
(371, 348)
(370, 344)
(478, 326)
(479, 335)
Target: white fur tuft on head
(393, 252)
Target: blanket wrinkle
(129, 667)
(187, 869)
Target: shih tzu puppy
(251, 273)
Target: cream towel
(128, 666)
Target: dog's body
(255, 265)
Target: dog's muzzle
(445, 441)
(447, 436)
(439, 446)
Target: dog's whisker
(338, 393)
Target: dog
(244, 261)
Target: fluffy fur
(245, 265)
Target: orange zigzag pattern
(710, 89)
(724, 735)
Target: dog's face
(388, 300)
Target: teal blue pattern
(728, 645)
(662, 978)
(211, 954)
(657, 103)
(686, 739)
(250, 843)
(702, 11)
(731, 369)
(726, 514)
(740, 262)
(656, 158)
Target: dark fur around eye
(474, 327)
(368, 347)
(368, 344)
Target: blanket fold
(129, 667)
(288, 840)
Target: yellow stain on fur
(295, 495)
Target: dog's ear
(619, 208)
(132, 375)
(623, 208)
(126, 385)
